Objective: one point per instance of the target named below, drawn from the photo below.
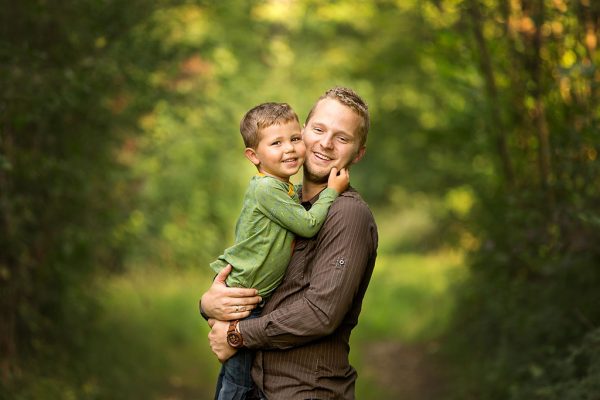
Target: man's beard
(313, 177)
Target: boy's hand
(340, 182)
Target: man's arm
(343, 253)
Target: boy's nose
(289, 147)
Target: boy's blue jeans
(234, 380)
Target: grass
(155, 313)
(155, 342)
(407, 302)
(150, 342)
(407, 297)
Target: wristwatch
(234, 337)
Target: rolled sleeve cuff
(253, 332)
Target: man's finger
(241, 314)
(241, 292)
(222, 276)
(248, 301)
(211, 322)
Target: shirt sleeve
(275, 202)
(341, 258)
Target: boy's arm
(275, 202)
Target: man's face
(331, 138)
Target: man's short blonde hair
(263, 116)
(350, 98)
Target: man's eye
(343, 139)
(316, 129)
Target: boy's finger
(333, 171)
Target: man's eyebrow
(343, 132)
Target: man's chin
(316, 176)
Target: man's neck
(311, 189)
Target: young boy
(270, 216)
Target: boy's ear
(251, 155)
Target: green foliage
(513, 329)
(531, 294)
(577, 375)
(64, 106)
(147, 341)
(120, 151)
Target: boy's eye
(275, 143)
(295, 139)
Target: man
(302, 337)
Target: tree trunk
(485, 66)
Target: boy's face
(331, 138)
(280, 152)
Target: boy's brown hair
(350, 98)
(263, 116)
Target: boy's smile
(280, 152)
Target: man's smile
(322, 156)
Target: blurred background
(122, 174)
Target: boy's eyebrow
(274, 138)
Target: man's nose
(326, 141)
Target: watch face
(234, 339)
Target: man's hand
(225, 303)
(340, 182)
(217, 338)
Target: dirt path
(407, 372)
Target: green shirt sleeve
(275, 202)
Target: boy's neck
(279, 178)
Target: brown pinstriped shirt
(302, 337)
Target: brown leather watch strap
(234, 338)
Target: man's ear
(359, 155)
(251, 155)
